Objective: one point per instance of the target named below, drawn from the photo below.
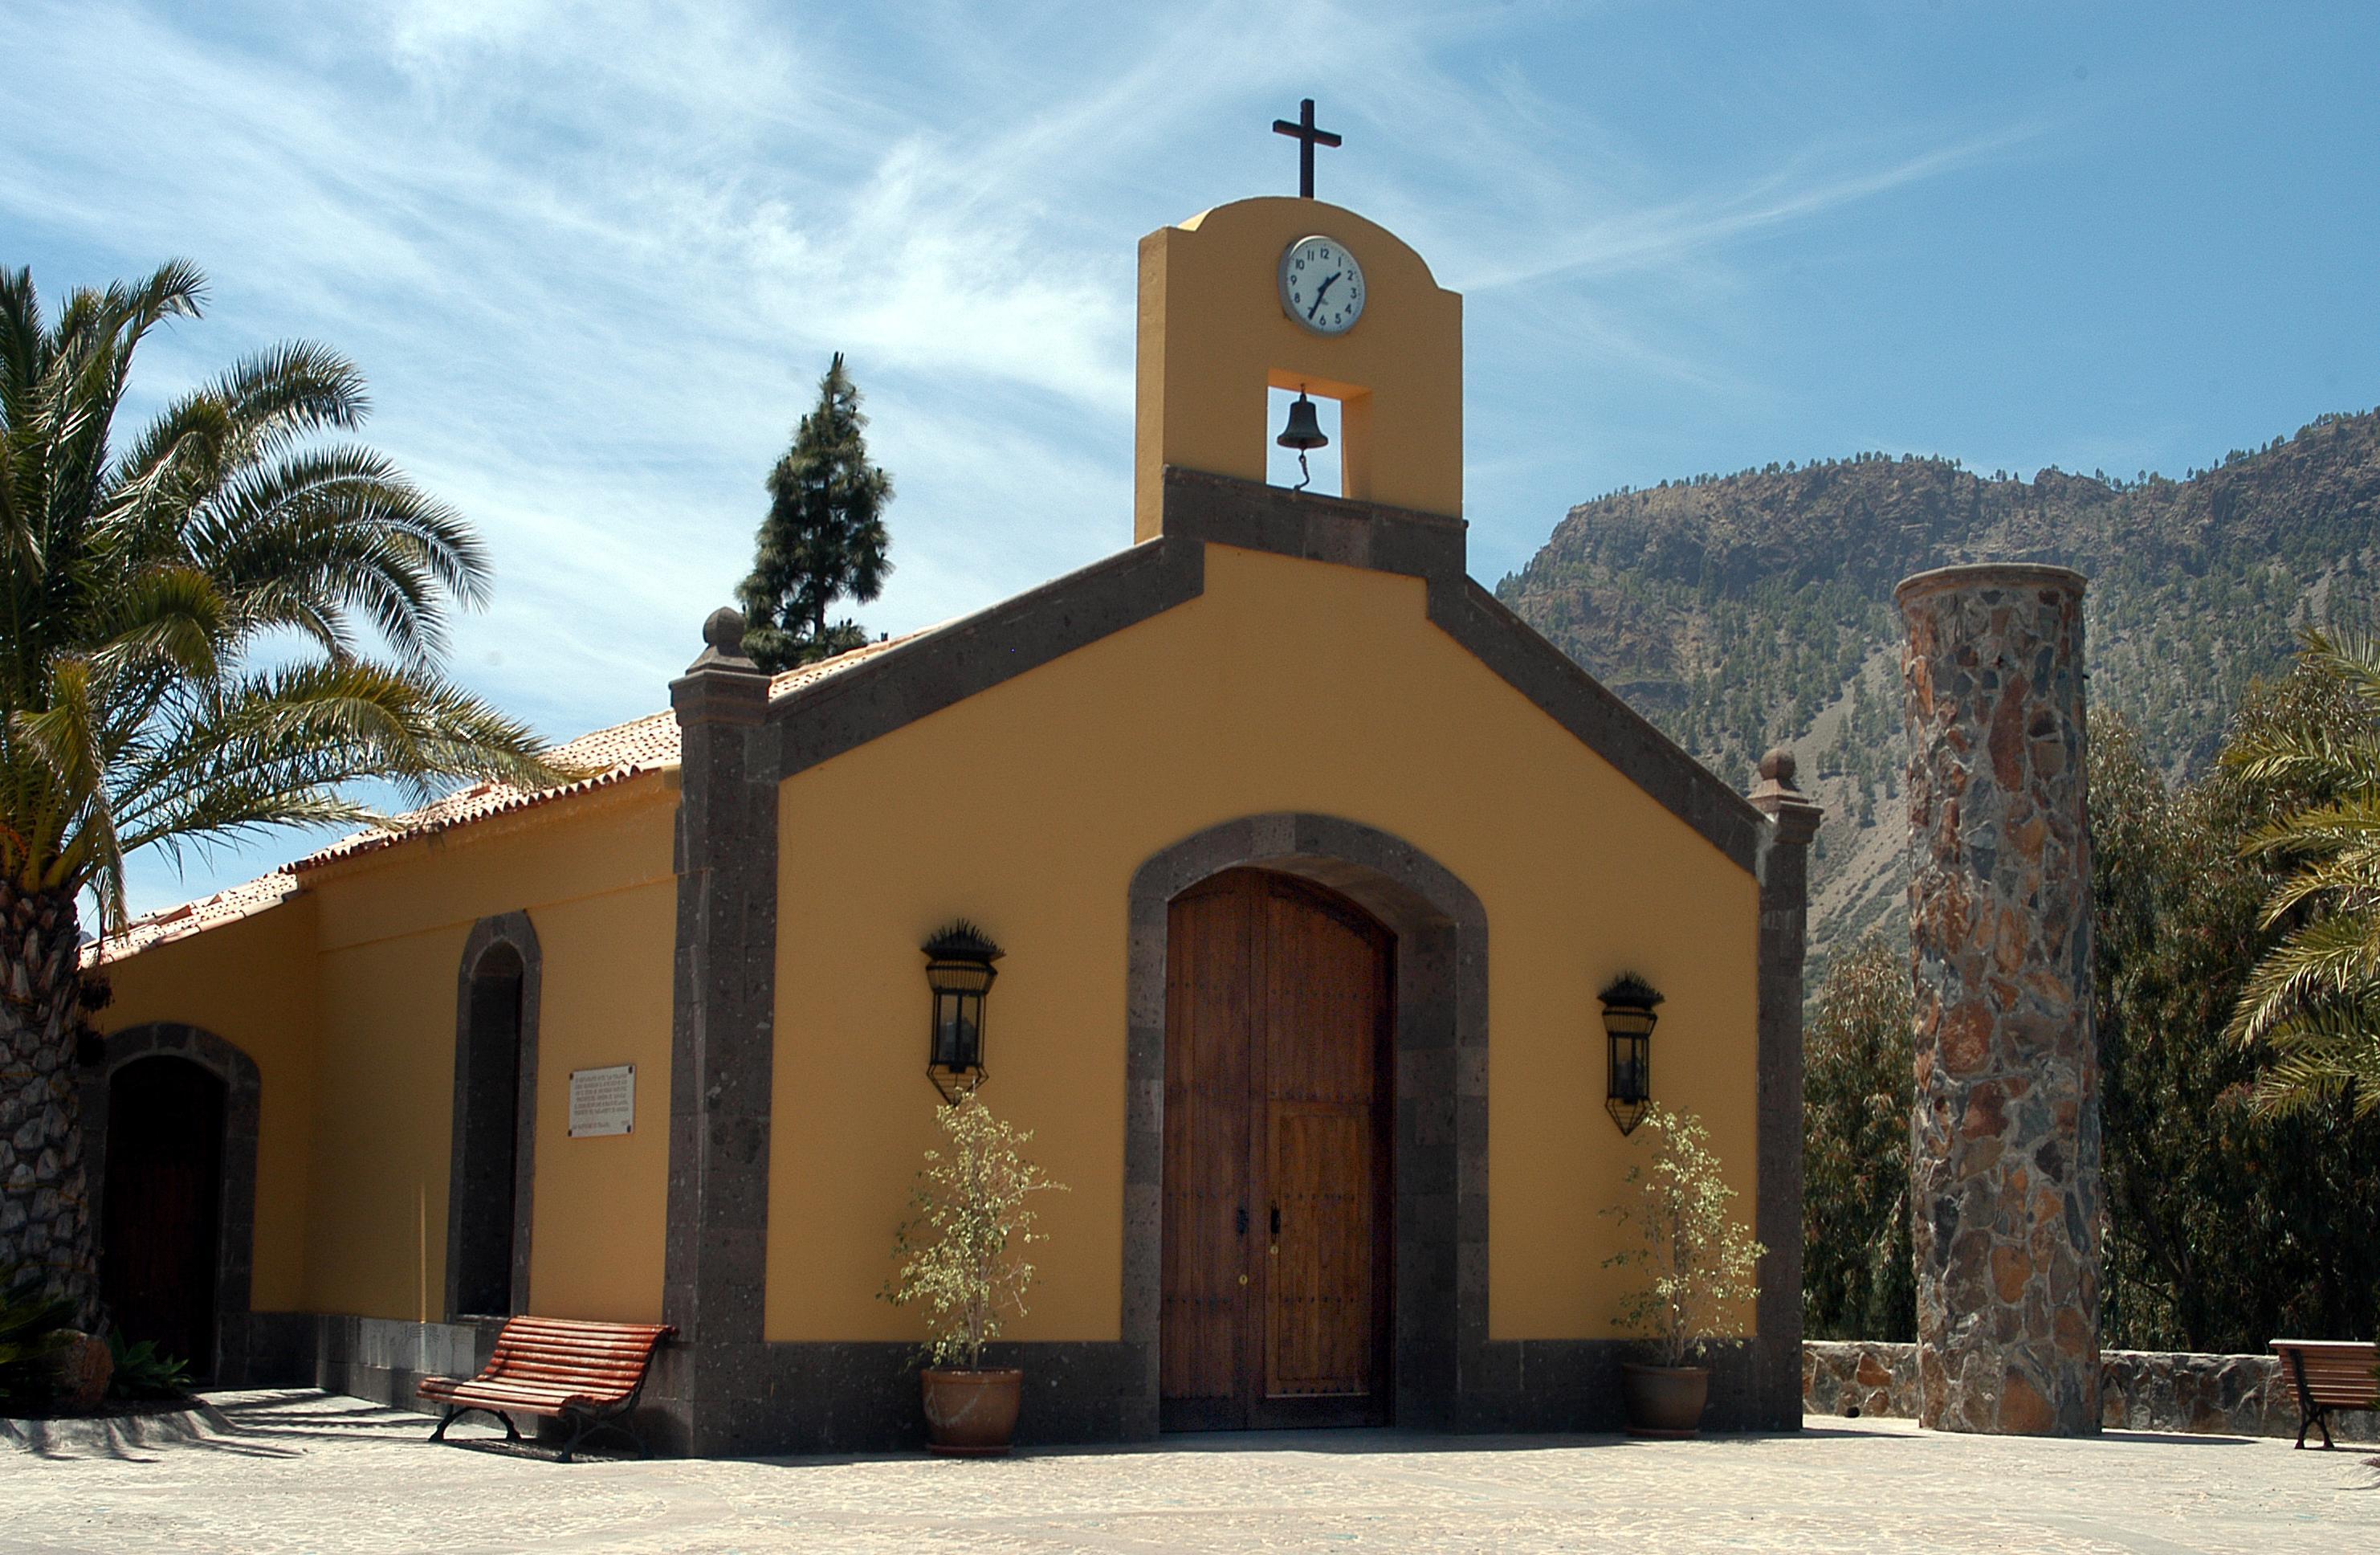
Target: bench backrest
(603, 1362)
(2344, 1373)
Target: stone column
(711, 1385)
(2004, 1166)
(1784, 913)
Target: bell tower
(1218, 331)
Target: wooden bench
(2329, 1374)
(586, 1375)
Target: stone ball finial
(724, 629)
(1778, 766)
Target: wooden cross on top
(1307, 138)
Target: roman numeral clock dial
(1321, 286)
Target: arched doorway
(1279, 1216)
(160, 1234)
(487, 1248)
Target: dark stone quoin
(2005, 1160)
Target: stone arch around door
(235, 1213)
(1441, 1350)
(487, 1135)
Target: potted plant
(962, 1258)
(1699, 1262)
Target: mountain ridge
(1743, 611)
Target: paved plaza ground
(311, 1471)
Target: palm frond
(294, 737)
(2322, 1055)
(167, 617)
(343, 527)
(2349, 657)
(2331, 958)
(136, 586)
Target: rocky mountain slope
(1743, 611)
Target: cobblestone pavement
(311, 1471)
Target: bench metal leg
(456, 1411)
(585, 1426)
(2310, 1413)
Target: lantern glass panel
(958, 1029)
(1631, 1083)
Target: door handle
(1243, 1219)
(1276, 1220)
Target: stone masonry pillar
(711, 1387)
(1784, 915)
(2004, 1166)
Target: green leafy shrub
(1700, 1259)
(962, 1250)
(143, 1371)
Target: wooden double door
(1280, 1102)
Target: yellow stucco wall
(346, 999)
(1213, 338)
(1287, 685)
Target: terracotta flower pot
(1664, 1401)
(83, 1368)
(972, 1414)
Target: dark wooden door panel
(1321, 1262)
(165, 1188)
(1276, 1196)
(1208, 1007)
(1324, 999)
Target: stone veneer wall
(2139, 1390)
(2005, 1168)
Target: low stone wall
(2139, 1390)
(1859, 1377)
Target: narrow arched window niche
(494, 1173)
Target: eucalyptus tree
(1858, 1279)
(214, 627)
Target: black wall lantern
(1628, 1021)
(959, 970)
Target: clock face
(1321, 286)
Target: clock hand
(1319, 290)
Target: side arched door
(162, 1229)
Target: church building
(1306, 862)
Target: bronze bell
(1303, 432)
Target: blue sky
(593, 258)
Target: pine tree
(824, 538)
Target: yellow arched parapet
(1214, 336)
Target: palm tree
(2313, 998)
(181, 663)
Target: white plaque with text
(602, 1101)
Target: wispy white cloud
(593, 257)
(1806, 185)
